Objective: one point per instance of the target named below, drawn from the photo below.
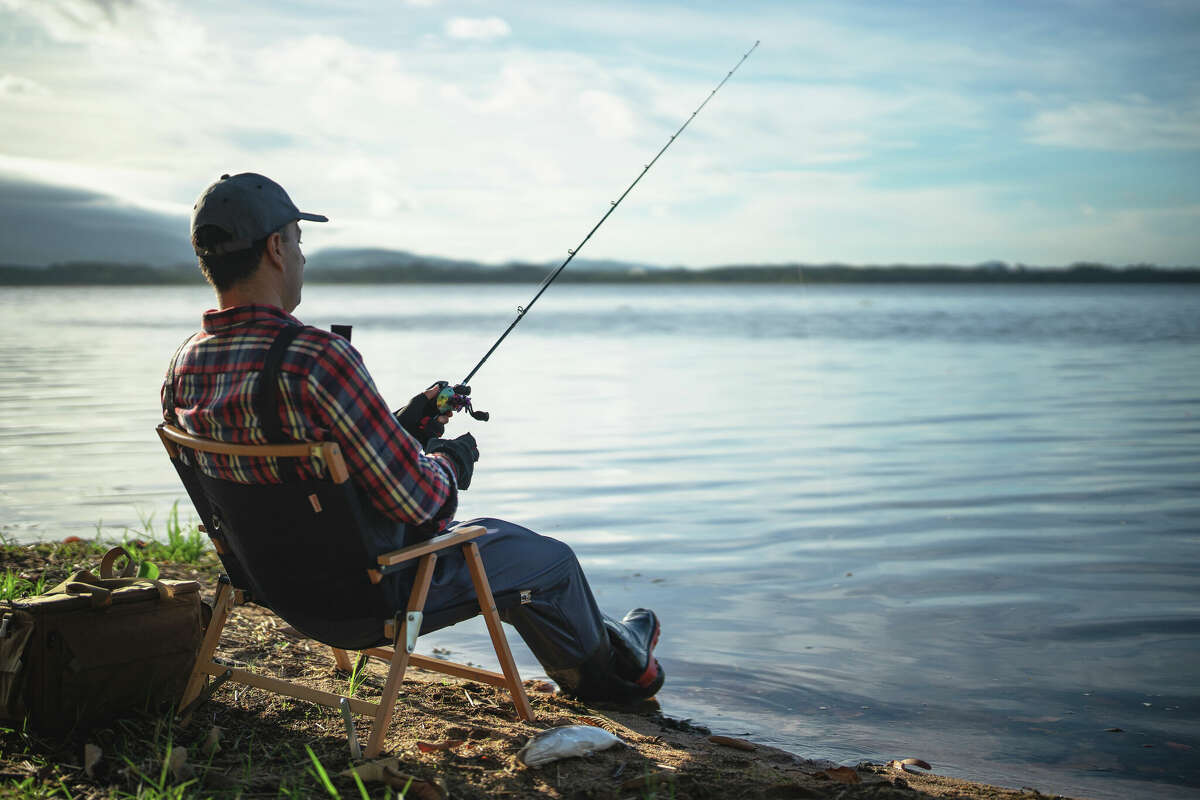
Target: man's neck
(247, 293)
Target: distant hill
(334, 259)
(602, 265)
(98, 273)
(42, 224)
(337, 259)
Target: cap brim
(314, 217)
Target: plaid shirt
(325, 394)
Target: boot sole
(647, 677)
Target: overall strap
(266, 401)
(169, 389)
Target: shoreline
(454, 738)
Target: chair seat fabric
(296, 548)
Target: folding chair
(299, 548)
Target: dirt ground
(452, 738)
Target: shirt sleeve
(403, 482)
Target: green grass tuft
(358, 674)
(185, 543)
(322, 774)
(13, 586)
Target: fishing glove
(462, 452)
(420, 417)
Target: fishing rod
(458, 397)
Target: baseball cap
(248, 207)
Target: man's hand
(421, 417)
(463, 452)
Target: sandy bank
(453, 738)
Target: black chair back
(299, 548)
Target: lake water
(954, 522)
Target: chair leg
(221, 607)
(342, 659)
(487, 605)
(399, 662)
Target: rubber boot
(624, 669)
(633, 640)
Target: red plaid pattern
(326, 394)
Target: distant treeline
(86, 273)
(104, 274)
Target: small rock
(729, 741)
(903, 765)
(91, 757)
(840, 774)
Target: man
(246, 234)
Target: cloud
(150, 33)
(1134, 124)
(78, 20)
(609, 114)
(1117, 236)
(477, 28)
(18, 86)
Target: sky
(1043, 133)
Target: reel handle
(456, 398)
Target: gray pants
(558, 620)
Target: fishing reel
(457, 398)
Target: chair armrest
(463, 533)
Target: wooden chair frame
(400, 654)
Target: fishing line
(458, 396)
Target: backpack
(97, 646)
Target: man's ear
(274, 250)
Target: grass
(184, 544)
(12, 585)
(322, 776)
(148, 763)
(160, 787)
(358, 674)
